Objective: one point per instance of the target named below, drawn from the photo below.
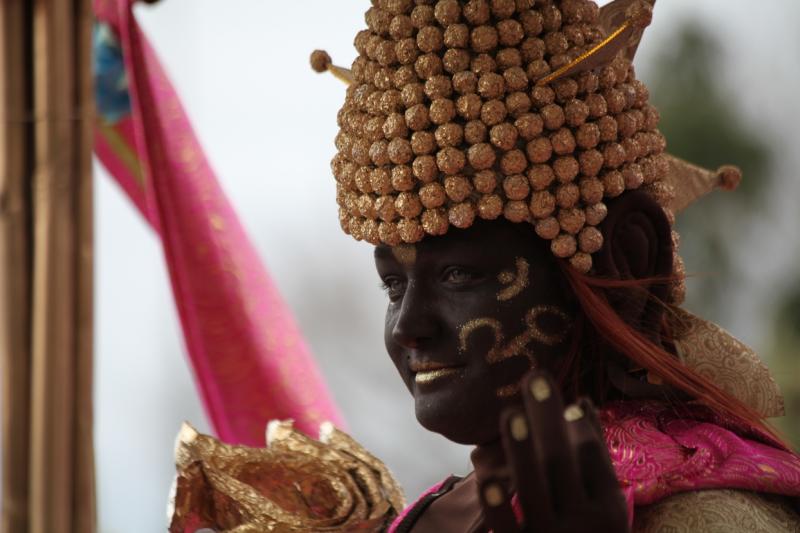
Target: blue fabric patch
(112, 99)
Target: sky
(267, 123)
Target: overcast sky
(267, 123)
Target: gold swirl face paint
(516, 283)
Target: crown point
(320, 60)
(729, 177)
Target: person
(504, 161)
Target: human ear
(637, 245)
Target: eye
(394, 287)
(459, 276)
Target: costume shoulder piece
(294, 484)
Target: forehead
(494, 239)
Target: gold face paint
(516, 283)
(406, 254)
(517, 346)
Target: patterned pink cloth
(250, 361)
(659, 450)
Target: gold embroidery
(711, 351)
(717, 511)
(516, 283)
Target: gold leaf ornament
(294, 484)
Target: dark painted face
(469, 314)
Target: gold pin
(573, 413)
(540, 389)
(493, 495)
(519, 428)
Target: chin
(471, 422)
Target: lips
(426, 372)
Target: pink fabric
(397, 521)
(659, 450)
(250, 361)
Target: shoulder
(718, 511)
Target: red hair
(600, 324)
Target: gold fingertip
(540, 389)
(573, 413)
(519, 428)
(493, 495)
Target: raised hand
(559, 469)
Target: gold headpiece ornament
(526, 109)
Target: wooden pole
(16, 145)
(46, 266)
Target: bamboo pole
(15, 172)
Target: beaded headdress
(524, 109)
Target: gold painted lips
(430, 372)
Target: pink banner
(250, 361)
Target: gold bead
(477, 12)
(518, 103)
(516, 187)
(469, 106)
(461, 215)
(384, 206)
(456, 60)
(406, 51)
(439, 87)
(564, 246)
(483, 39)
(412, 94)
(456, 36)
(633, 177)
(450, 160)
(417, 117)
(402, 178)
(411, 231)
(553, 116)
(541, 176)
(595, 214)
(370, 232)
(576, 112)
(548, 228)
(400, 151)
(425, 168)
(543, 204)
(408, 205)
(423, 142)
(475, 132)
(590, 240)
(389, 234)
(401, 27)
(563, 142)
(465, 82)
(567, 195)
(513, 162)
(458, 188)
(581, 262)
(490, 206)
(485, 181)
(516, 211)
(539, 150)
(529, 126)
(493, 112)
(450, 134)
(381, 180)
(510, 32)
(428, 65)
(503, 9)
(432, 195)
(566, 168)
(430, 39)
(435, 221)
(592, 190)
(483, 63)
(491, 85)
(503, 136)
(447, 12)
(422, 16)
(588, 136)
(614, 155)
(509, 58)
(379, 153)
(481, 156)
(531, 22)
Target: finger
(549, 435)
(526, 472)
(591, 415)
(497, 511)
(594, 463)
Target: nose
(416, 323)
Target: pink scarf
(250, 361)
(659, 450)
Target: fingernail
(519, 428)
(493, 495)
(573, 413)
(540, 389)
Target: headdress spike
(692, 182)
(321, 62)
